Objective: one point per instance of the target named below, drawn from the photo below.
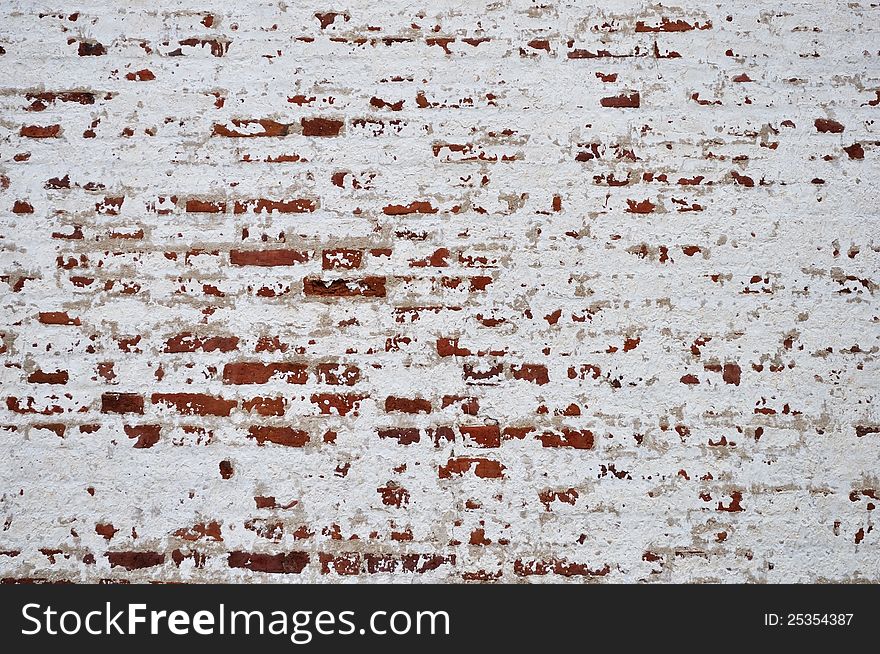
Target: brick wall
(439, 291)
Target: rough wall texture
(394, 291)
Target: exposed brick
(145, 435)
(826, 125)
(55, 377)
(484, 468)
(623, 101)
(536, 373)
(338, 374)
(91, 49)
(321, 126)
(365, 287)
(279, 435)
(483, 435)
(195, 205)
(577, 439)
(267, 257)
(264, 406)
(195, 403)
(143, 75)
(135, 560)
(300, 205)
(336, 403)
(187, 342)
(286, 563)
(403, 435)
(245, 372)
(122, 403)
(40, 131)
(247, 128)
(406, 405)
(487, 293)
(341, 259)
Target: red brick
(253, 372)
(122, 403)
(284, 563)
(279, 435)
(365, 287)
(267, 258)
(198, 404)
(321, 126)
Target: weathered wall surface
(363, 291)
